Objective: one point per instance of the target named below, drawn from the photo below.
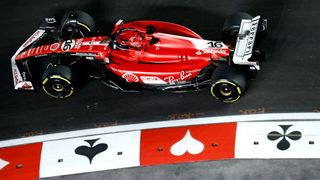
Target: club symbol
(92, 151)
(284, 144)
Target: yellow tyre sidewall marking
(85, 26)
(227, 82)
(56, 77)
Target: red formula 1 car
(139, 55)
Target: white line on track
(162, 124)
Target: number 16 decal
(215, 44)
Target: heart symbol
(92, 151)
(187, 144)
(3, 163)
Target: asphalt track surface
(288, 82)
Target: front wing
(19, 79)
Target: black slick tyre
(57, 81)
(77, 24)
(228, 84)
(232, 24)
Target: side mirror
(119, 22)
(116, 26)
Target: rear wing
(246, 40)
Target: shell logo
(129, 77)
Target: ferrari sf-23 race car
(139, 55)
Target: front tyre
(57, 81)
(77, 24)
(228, 84)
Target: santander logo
(32, 38)
(16, 76)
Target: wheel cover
(57, 86)
(226, 91)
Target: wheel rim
(226, 91)
(57, 86)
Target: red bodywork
(171, 54)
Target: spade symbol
(91, 151)
(284, 144)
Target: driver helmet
(136, 40)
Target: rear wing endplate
(245, 43)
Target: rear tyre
(57, 81)
(77, 24)
(232, 24)
(228, 84)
